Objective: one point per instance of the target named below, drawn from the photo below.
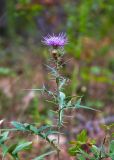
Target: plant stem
(57, 62)
(58, 90)
(58, 125)
(58, 152)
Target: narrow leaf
(21, 147)
(44, 155)
(19, 126)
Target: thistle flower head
(55, 40)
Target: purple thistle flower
(55, 40)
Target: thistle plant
(57, 43)
(58, 98)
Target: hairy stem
(58, 90)
(58, 125)
(57, 57)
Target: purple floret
(55, 40)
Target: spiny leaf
(19, 126)
(33, 129)
(84, 107)
(69, 104)
(79, 101)
(41, 129)
(78, 106)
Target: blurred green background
(89, 25)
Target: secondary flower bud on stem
(55, 54)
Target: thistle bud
(55, 54)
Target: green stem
(58, 153)
(58, 125)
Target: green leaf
(69, 104)
(3, 137)
(41, 157)
(111, 147)
(85, 154)
(4, 149)
(78, 106)
(84, 107)
(74, 150)
(79, 101)
(82, 137)
(19, 126)
(21, 147)
(95, 150)
(33, 129)
(112, 156)
(41, 129)
(8, 149)
(80, 157)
